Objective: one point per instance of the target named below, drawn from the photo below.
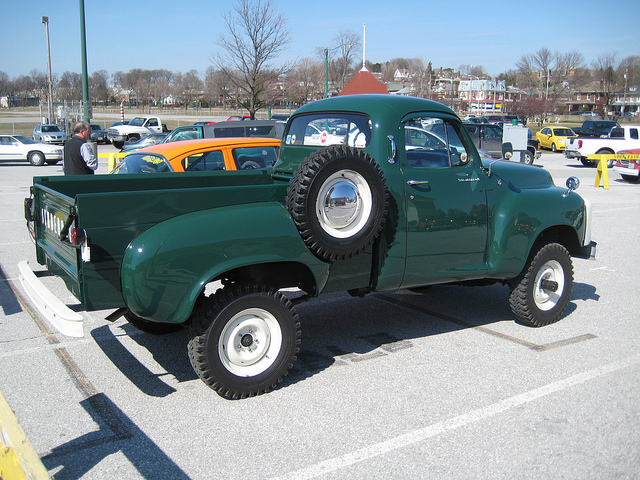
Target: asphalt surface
(435, 384)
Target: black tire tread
(204, 315)
(299, 188)
(520, 304)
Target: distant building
(363, 82)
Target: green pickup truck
(357, 202)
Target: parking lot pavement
(440, 383)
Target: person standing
(79, 158)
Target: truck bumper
(572, 154)
(117, 138)
(630, 171)
(65, 320)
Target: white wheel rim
(344, 204)
(547, 299)
(250, 342)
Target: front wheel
(541, 292)
(36, 159)
(244, 339)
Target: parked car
(554, 138)
(98, 134)
(19, 147)
(236, 118)
(629, 168)
(202, 155)
(247, 128)
(49, 133)
(148, 141)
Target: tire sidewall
(268, 378)
(549, 252)
(331, 162)
(36, 159)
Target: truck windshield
(137, 122)
(142, 163)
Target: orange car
(205, 154)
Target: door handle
(417, 182)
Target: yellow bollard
(602, 173)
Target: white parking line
(382, 448)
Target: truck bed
(114, 209)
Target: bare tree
(98, 86)
(69, 87)
(533, 70)
(305, 82)
(192, 87)
(256, 34)
(161, 90)
(606, 71)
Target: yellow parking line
(17, 459)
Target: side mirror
(572, 184)
(507, 150)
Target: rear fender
(166, 268)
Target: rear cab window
(324, 129)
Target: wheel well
(277, 275)
(565, 235)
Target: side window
(493, 132)
(204, 162)
(634, 133)
(434, 143)
(186, 134)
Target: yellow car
(554, 138)
(205, 154)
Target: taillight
(77, 236)
(579, 143)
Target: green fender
(166, 267)
(519, 220)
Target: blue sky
(181, 35)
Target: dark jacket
(73, 162)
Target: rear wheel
(244, 339)
(607, 151)
(36, 158)
(541, 292)
(528, 157)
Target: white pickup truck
(134, 130)
(619, 138)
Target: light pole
(326, 66)
(45, 20)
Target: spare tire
(338, 199)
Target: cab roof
(174, 148)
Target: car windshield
(50, 128)
(25, 140)
(142, 163)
